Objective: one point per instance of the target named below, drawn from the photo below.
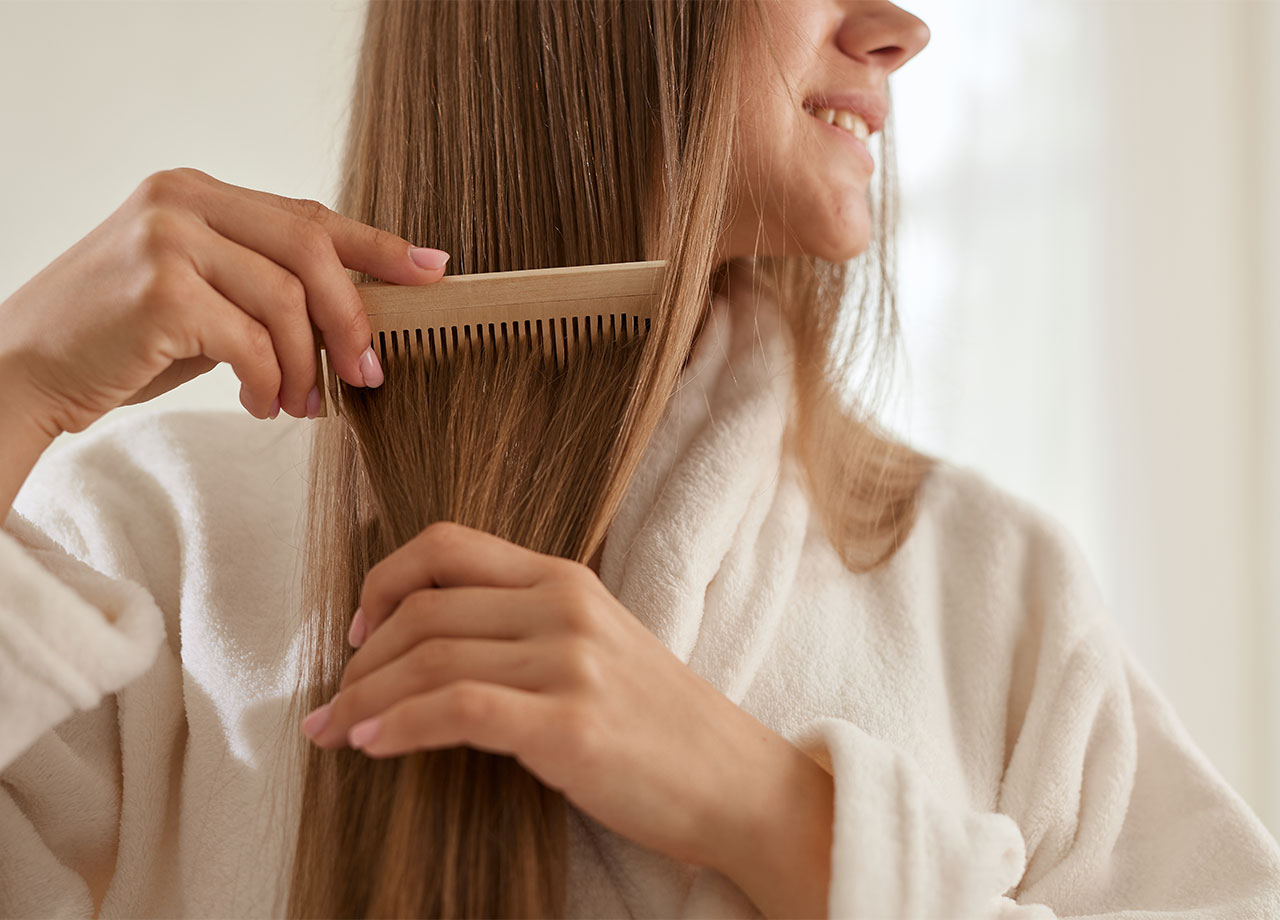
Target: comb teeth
(556, 339)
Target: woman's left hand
(474, 640)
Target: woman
(695, 638)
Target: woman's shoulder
(970, 507)
(989, 542)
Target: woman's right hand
(189, 272)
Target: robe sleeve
(75, 630)
(69, 635)
(1106, 808)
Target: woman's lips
(861, 149)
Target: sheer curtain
(1089, 285)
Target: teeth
(853, 124)
(842, 118)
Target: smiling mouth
(851, 122)
(853, 129)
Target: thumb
(176, 374)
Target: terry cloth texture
(996, 750)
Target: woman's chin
(840, 249)
(845, 236)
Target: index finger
(359, 246)
(448, 555)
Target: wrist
(21, 407)
(780, 855)
(24, 435)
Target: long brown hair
(516, 136)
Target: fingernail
(370, 368)
(313, 403)
(356, 636)
(315, 723)
(275, 408)
(428, 258)
(363, 732)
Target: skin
(464, 638)
(798, 190)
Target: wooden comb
(554, 309)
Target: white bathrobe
(996, 750)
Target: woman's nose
(881, 33)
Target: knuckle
(573, 577)
(314, 243)
(189, 173)
(259, 346)
(440, 534)
(373, 238)
(158, 230)
(582, 663)
(311, 209)
(574, 609)
(357, 320)
(290, 291)
(571, 570)
(169, 186)
(160, 187)
(468, 704)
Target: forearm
(22, 438)
(780, 855)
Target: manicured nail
(370, 368)
(356, 636)
(315, 723)
(363, 732)
(313, 403)
(275, 408)
(428, 258)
